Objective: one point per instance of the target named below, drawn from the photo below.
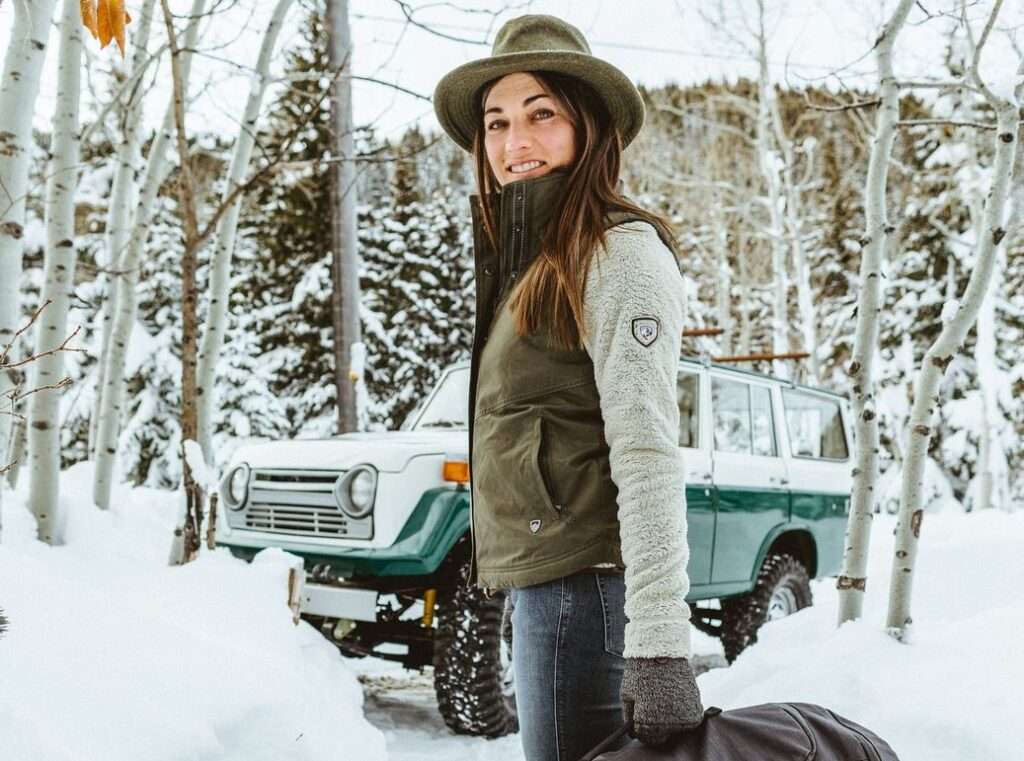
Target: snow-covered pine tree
(417, 288)
(416, 272)
(283, 294)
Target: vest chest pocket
(539, 467)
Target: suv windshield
(446, 408)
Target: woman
(578, 493)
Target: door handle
(778, 480)
(698, 478)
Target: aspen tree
(991, 483)
(19, 88)
(958, 318)
(769, 161)
(193, 493)
(107, 415)
(59, 267)
(224, 240)
(853, 579)
(122, 313)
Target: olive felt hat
(535, 43)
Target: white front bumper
(338, 602)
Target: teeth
(525, 167)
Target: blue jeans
(567, 641)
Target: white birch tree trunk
(107, 410)
(220, 266)
(59, 266)
(958, 320)
(123, 317)
(769, 162)
(746, 288)
(123, 197)
(853, 579)
(16, 452)
(991, 487)
(795, 231)
(19, 88)
(723, 284)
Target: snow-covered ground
(113, 655)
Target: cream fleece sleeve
(634, 306)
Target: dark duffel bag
(770, 732)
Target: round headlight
(360, 489)
(355, 491)
(236, 487)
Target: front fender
(437, 522)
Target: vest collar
(522, 210)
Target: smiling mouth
(525, 166)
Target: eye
(543, 113)
(494, 124)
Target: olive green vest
(543, 501)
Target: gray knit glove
(660, 698)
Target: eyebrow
(526, 102)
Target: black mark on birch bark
(915, 523)
(852, 582)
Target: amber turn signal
(457, 471)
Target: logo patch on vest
(646, 330)
(535, 526)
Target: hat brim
(455, 98)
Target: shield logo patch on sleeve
(646, 330)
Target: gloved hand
(660, 698)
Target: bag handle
(607, 742)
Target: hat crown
(538, 33)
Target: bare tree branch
(845, 107)
(939, 122)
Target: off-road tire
(742, 616)
(467, 662)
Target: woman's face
(527, 133)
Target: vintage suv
(381, 523)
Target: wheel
(782, 588)
(473, 675)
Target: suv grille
(299, 502)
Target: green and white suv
(381, 523)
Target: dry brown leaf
(106, 20)
(103, 31)
(88, 10)
(116, 14)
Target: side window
(763, 426)
(688, 396)
(815, 426)
(730, 404)
(743, 418)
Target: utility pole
(345, 262)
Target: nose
(516, 139)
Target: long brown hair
(549, 295)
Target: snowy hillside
(113, 656)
